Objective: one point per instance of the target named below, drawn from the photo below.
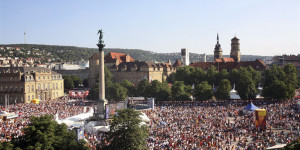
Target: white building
(185, 57)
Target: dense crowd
(218, 126)
(64, 109)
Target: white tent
(101, 128)
(144, 117)
(233, 94)
(279, 146)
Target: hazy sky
(264, 27)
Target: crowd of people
(24, 111)
(192, 125)
(183, 125)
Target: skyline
(263, 27)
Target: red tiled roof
(218, 60)
(177, 63)
(226, 59)
(112, 56)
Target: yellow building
(22, 84)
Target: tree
(143, 87)
(184, 74)
(126, 132)
(234, 77)
(197, 76)
(280, 83)
(118, 92)
(94, 92)
(68, 82)
(246, 86)
(212, 76)
(76, 80)
(180, 92)
(159, 90)
(131, 90)
(203, 91)
(171, 77)
(223, 91)
(85, 83)
(45, 133)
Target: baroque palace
(22, 84)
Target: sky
(264, 27)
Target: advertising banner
(260, 119)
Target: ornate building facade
(122, 66)
(22, 84)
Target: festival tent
(251, 107)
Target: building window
(32, 88)
(56, 86)
(39, 78)
(39, 87)
(43, 86)
(21, 88)
(32, 97)
(5, 88)
(48, 86)
(28, 99)
(53, 86)
(28, 88)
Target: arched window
(43, 86)
(32, 97)
(56, 86)
(39, 87)
(28, 98)
(53, 86)
(48, 86)
(0, 88)
(32, 88)
(28, 88)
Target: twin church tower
(235, 49)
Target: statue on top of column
(100, 42)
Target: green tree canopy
(180, 92)
(126, 132)
(131, 90)
(68, 82)
(223, 91)
(211, 75)
(117, 92)
(44, 133)
(203, 91)
(246, 86)
(159, 90)
(280, 83)
(76, 80)
(143, 87)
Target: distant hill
(57, 53)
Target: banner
(260, 119)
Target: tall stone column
(101, 73)
(101, 102)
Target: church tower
(218, 54)
(235, 49)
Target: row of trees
(279, 83)
(73, 81)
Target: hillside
(55, 53)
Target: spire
(218, 38)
